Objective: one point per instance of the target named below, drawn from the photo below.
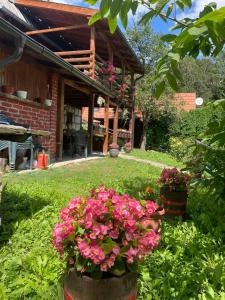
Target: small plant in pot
(128, 147)
(174, 191)
(114, 150)
(103, 238)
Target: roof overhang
(46, 54)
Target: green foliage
(202, 76)
(181, 149)
(204, 35)
(187, 265)
(190, 124)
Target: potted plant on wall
(174, 191)
(103, 240)
(114, 150)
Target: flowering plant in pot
(128, 147)
(113, 150)
(104, 237)
(174, 190)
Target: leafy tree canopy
(204, 35)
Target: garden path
(145, 161)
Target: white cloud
(198, 7)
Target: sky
(157, 24)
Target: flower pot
(155, 220)
(114, 152)
(115, 288)
(21, 94)
(127, 150)
(173, 201)
(8, 89)
(48, 102)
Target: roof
(10, 33)
(10, 6)
(44, 14)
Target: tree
(203, 77)
(204, 35)
(149, 48)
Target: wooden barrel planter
(114, 288)
(174, 202)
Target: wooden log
(115, 124)
(77, 52)
(92, 47)
(60, 121)
(77, 59)
(90, 124)
(56, 29)
(83, 66)
(106, 125)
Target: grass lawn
(189, 263)
(160, 157)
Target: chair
(12, 149)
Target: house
(48, 50)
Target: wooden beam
(83, 66)
(60, 121)
(56, 29)
(92, 48)
(106, 124)
(115, 124)
(132, 120)
(90, 123)
(115, 51)
(77, 52)
(77, 59)
(76, 86)
(57, 7)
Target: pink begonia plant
(105, 232)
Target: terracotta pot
(174, 202)
(155, 221)
(115, 288)
(8, 89)
(114, 152)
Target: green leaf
(172, 81)
(194, 31)
(115, 8)
(174, 56)
(112, 24)
(95, 18)
(187, 3)
(104, 7)
(160, 5)
(91, 2)
(146, 17)
(160, 87)
(134, 7)
(176, 70)
(168, 37)
(169, 10)
(119, 268)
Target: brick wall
(185, 101)
(36, 115)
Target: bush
(192, 123)
(181, 149)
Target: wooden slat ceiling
(48, 14)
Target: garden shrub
(192, 123)
(181, 149)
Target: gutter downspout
(17, 54)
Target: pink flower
(150, 207)
(116, 250)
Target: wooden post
(92, 48)
(90, 123)
(106, 124)
(60, 123)
(132, 119)
(115, 124)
